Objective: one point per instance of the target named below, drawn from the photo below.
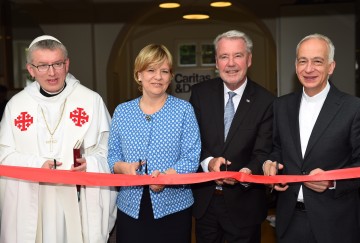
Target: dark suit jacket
(334, 143)
(248, 145)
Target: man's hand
(214, 166)
(81, 167)
(318, 186)
(49, 164)
(272, 168)
(232, 181)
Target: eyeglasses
(45, 67)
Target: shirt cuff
(205, 164)
(246, 184)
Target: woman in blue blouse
(155, 133)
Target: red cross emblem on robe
(79, 116)
(23, 121)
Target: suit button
(303, 173)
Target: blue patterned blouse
(169, 138)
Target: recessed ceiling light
(220, 4)
(169, 5)
(196, 16)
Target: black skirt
(174, 228)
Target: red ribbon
(103, 179)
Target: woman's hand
(126, 168)
(156, 173)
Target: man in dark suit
(316, 130)
(225, 209)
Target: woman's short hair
(152, 54)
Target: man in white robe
(40, 128)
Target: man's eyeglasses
(45, 67)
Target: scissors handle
(276, 172)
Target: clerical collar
(46, 94)
(321, 96)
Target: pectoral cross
(51, 141)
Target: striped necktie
(229, 113)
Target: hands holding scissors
(271, 168)
(216, 163)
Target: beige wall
(340, 28)
(95, 47)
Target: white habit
(43, 213)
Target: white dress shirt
(310, 108)
(236, 99)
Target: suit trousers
(299, 230)
(216, 226)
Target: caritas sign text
(183, 80)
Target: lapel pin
(247, 100)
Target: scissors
(276, 172)
(140, 168)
